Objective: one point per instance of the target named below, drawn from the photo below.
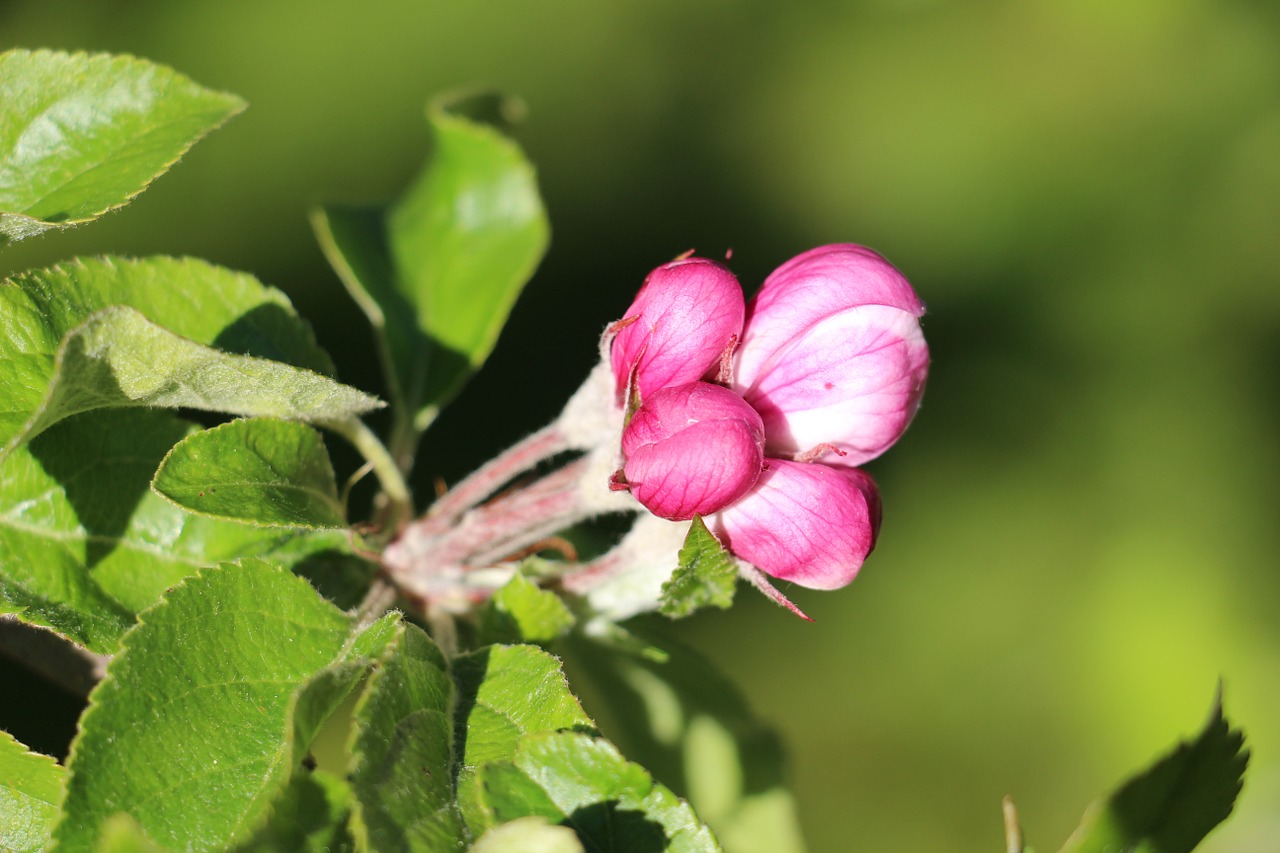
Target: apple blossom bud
(833, 354)
(809, 524)
(686, 315)
(691, 450)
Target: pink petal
(852, 380)
(814, 285)
(692, 450)
(686, 314)
(809, 524)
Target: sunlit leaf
(82, 134)
(30, 794)
(706, 574)
(522, 612)
(260, 471)
(209, 707)
(584, 782)
(1171, 806)
(438, 272)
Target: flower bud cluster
(756, 415)
(753, 416)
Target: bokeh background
(1081, 528)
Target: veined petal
(692, 450)
(852, 380)
(686, 314)
(809, 524)
(812, 286)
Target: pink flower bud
(686, 314)
(692, 450)
(832, 354)
(810, 524)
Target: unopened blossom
(809, 524)
(833, 361)
(832, 355)
(691, 450)
(686, 314)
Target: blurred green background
(1080, 529)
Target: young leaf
(83, 134)
(199, 302)
(522, 612)
(697, 734)
(259, 471)
(30, 794)
(82, 554)
(584, 782)
(506, 692)
(706, 575)
(403, 750)
(311, 817)
(440, 270)
(119, 358)
(209, 707)
(1171, 806)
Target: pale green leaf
(521, 611)
(439, 271)
(201, 303)
(585, 783)
(697, 734)
(30, 794)
(259, 471)
(403, 751)
(85, 544)
(82, 134)
(208, 709)
(1172, 805)
(705, 576)
(506, 692)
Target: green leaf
(403, 751)
(30, 794)
(201, 303)
(259, 471)
(310, 817)
(82, 554)
(439, 271)
(706, 575)
(523, 612)
(529, 835)
(505, 693)
(696, 733)
(209, 707)
(584, 782)
(1175, 803)
(83, 134)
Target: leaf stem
(385, 469)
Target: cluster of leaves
(249, 703)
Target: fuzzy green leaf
(82, 554)
(439, 271)
(403, 749)
(1171, 806)
(698, 735)
(259, 471)
(706, 575)
(209, 707)
(83, 134)
(505, 693)
(585, 783)
(67, 326)
(30, 794)
(311, 817)
(522, 612)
